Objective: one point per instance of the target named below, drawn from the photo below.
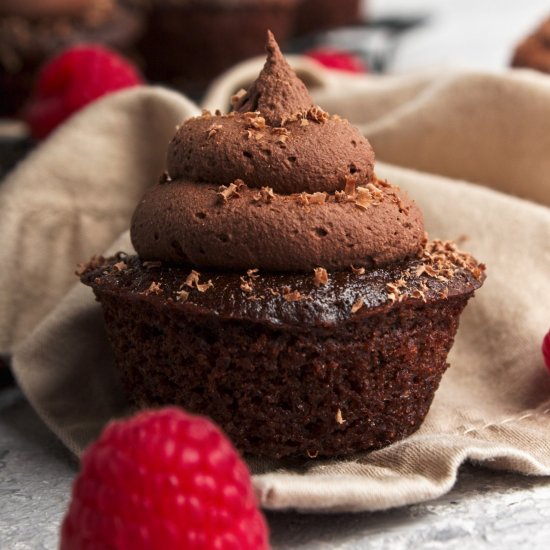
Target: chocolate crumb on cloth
(267, 350)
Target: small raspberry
(338, 60)
(163, 479)
(73, 79)
(546, 349)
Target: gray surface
(485, 510)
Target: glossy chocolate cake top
(277, 185)
(291, 299)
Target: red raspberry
(163, 480)
(546, 349)
(73, 79)
(338, 60)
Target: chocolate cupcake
(534, 51)
(279, 287)
(187, 43)
(32, 31)
(320, 15)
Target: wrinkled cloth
(74, 196)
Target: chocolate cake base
(284, 365)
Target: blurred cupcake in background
(32, 31)
(534, 51)
(186, 43)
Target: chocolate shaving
(394, 292)
(339, 417)
(349, 189)
(265, 194)
(246, 286)
(376, 194)
(358, 270)
(182, 296)
(416, 293)
(255, 120)
(213, 130)
(421, 269)
(312, 454)
(205, 286)
(232, 190)
(320, 276)
(293, 296)
(192, 279)
(363, 199)
(154, 288)
(316, 114)
(93, 263)
(280, 131)
(359, 303)
(303, 199)
(317, 198)
(237, 96)
(340, 196)
(120, 266)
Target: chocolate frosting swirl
(278, 185)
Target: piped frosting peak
(277, 93)
(277, 184)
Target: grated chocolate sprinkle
(359, 303)
(231, 191)
(293, 296)
(182, 296)
(320, 276)
(213, 130)
(154, 288)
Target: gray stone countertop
(485, 509)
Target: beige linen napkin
(493, 406)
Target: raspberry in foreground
(163, 480)
(72, 80)
(546, 350)
(338, 60)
